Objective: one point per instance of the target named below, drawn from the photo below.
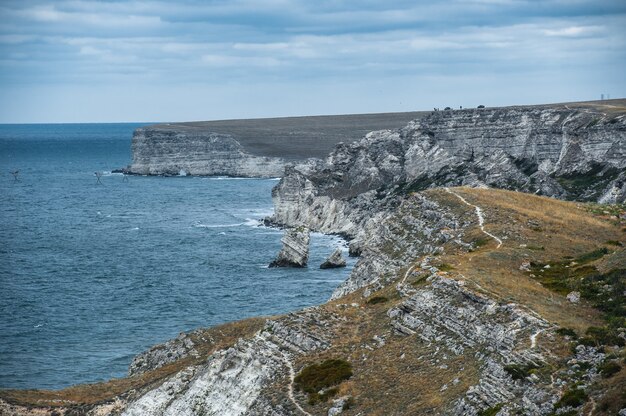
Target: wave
(252, 222)
(219, 225)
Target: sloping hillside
(441, 317)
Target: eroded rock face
(168, 152)
(295, 250)
(560, 152)
(162, 354)
(236, 381)
(335, 260)
(448, 315)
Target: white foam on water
(134, 229)
(251, 222)
(219, 225)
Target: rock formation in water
(295, 250)
(335, 260)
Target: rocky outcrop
(163, 354)
(335, 260)
(237, 380)
(295, 250)
(444, 312)
(556, 151)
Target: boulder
(334, 261)
(295, 251)
(573, 297)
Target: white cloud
(574, 31)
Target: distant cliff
(249, 148)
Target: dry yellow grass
(533, 228)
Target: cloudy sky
(141, 60)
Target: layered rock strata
(170, 152)
(555, 151)
(249, 148)
(295, 250)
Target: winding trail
(292, 376)
(479, 214)
(409, 270)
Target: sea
(92, 274)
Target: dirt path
(479, 214)
(292, 376)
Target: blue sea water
(92, 274)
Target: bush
(492, 411)
(519, 372)
(317, 377)
(376, 299)
(602, 335)
(573, 398)
(609, 369)
(567, 332)
(445, 267)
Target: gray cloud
(571, 48)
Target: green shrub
(445, 267)
(609, 369)
(567, 332)
(492, 411)
(593, 255)
(520, 372)
(316, 377)
(604, 335)
(377, 299)
(573, 398)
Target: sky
(144, 60)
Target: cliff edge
(249, 148)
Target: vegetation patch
(602, 335)
(609, 368)
(587, 185)
(573, 398)
(481, 241)
(492, 411)
(520, 372)
(445, 267)
(603, 290)
(567, 332)
(376, 300)
(615, 210)
(319, 380)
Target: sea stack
(295, 251)
(334, 261)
